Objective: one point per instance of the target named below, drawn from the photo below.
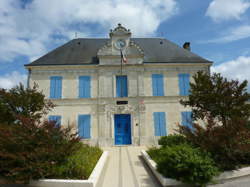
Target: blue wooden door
(122, 129)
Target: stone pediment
(132, 50)
(110, 53)
(119, 31)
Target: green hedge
(172, 140)
(80, 164)
(181, 161)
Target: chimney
(186, 46)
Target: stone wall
(102, 104)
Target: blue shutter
(163, 123)
(84, 126)
(59, 87)
(160, 124)
(121, 86)
(157, 85)
(184, 84)
(84, 86)
(57, 119)
(156, 123)
(55, 87)
(187, 119)
(160, 86)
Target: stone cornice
(114, 69)
(112, 101)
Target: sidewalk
(125, 168)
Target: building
(118, 90)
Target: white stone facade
(102, 105)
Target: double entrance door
(122, 129)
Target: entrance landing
(125, 168)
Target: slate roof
(83, 51)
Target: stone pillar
(133, 84)
(102, 125)
(142, 124)
(140, 84)
(101, 86)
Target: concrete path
(125, 168)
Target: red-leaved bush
(229, 144)
(29, 150)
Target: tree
(218, 97)
(25, 102)
(30, 147)
(222, 105)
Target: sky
(219, 30)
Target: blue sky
(219, 30)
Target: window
(56, 119)
(121, 86)
(157, 85)
(160, 124)
(84, 126)
(184, 84)
(84, 86)
(186, 119)
(55, 87)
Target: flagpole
(121, 71)
(121, 60)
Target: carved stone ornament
(119, 30)
(142, 108)
(121, 109)
(102, 108)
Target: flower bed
(91, 182)
(228, 175)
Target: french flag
(124, 59)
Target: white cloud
(220, 10)
(12, 79)
(234, 34)
(235, 69)
(28, 31)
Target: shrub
(172, 140)
(187, 164)
(154, 153)
(80, 164)
(29, 150)
(229, 145)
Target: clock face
(120, 44)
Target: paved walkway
(125, 168)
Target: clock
(120, 43)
